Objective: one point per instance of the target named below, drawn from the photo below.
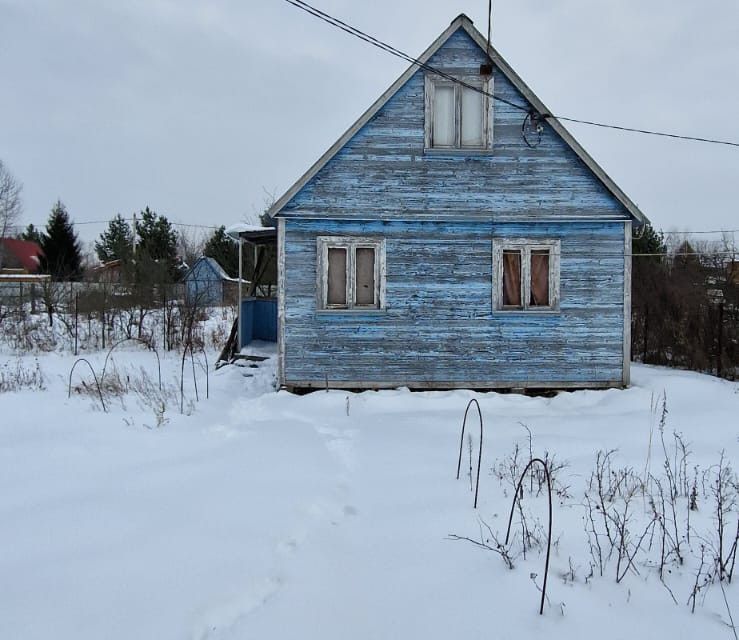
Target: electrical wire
(354, 31)
(335, 22)
(569, 254)
(689, 232)
(644, 131)
(174, 224)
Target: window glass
(511, 278)
(365, 276)
(336, 294)
(472, 118)
(539, 278)
(443, 132)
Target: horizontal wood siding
(384, 173)
(439, 328)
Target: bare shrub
(17, 376)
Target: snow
(243, 227)
(261, 514)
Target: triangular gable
(463, 22)
(213, 266)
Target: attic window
(350, 273)
(526, 275)
(458, 113)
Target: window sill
(527, 312)
(434, 151)
(366, 312)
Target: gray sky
(202, 109)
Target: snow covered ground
(258, 514)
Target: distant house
(110, 272)
(208, 284)
(452, 240)
(20, 256)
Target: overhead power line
(174, 224)
(357, 33)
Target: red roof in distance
(23, 253)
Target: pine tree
(116, 243)
(647, 240)
(157, 247)
(62, 258)
(224, 251)
(32, 234)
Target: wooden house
(450, 239)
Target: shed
(208, 284)
(455, 236)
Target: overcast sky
(201, 110)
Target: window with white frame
(458, 113)
(525, 274)
(351, 273)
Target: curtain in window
(443, 115)
(472, 118)
(336, 294)
(365, 276)
(539, 278)
(511, 278)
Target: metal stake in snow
(97, 384)
(148, 345)
(461, 445)
(188, 347)
(549, 534)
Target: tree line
(149, 248)
(685, 303)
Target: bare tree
(190, 245)
(10, 204)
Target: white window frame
(526, 246)
(350, 244)
(483, 82)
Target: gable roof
(463, 22)
(212, 263)
(26, 253)
(215, 267)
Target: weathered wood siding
(438, 212)
(383, 172)
(439, 328)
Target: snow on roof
(242, 229)
(24, 277)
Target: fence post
(103, 315)
(164, 318)
(720, 337)
(76, 320)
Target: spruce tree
(156, 250)
(116, 243)
(32, 234)
(62, 258)
(224, 251)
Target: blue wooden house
(453, 240)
